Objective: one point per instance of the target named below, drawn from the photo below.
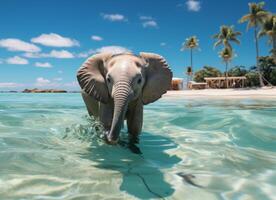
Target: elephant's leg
(106, 114)
(135, 120)
(92, 105)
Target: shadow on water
(142, 175)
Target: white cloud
(114, 17)
(85, 54)
(104, 49)
(52, 54)
(60, 71)
(55, 83)
(163, 44)
(16, 60)
(43, 65)
(193, 5)
(40, 82)
(10, 85)
(112, 49)
(55, 40)
(46, 83)
(150, 23)
(32, 55)
(72, 84)
(58, 79)
(96, 38)
(60, 54)
(146, 18)
(13, 44)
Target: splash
(91, 130)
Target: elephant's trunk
(121, 95)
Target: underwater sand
(192, 149)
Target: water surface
(192, 149)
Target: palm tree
(269, 29)
(226, 35)
(191, 43)
(227, 55)
(255, 18)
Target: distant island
(36, 90)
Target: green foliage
(267, 66)
(226, 35)
(237, 71)
(207, 71)
(268, 69)
(226, 54)
(255, 18)
(190, 43)
(269, 30)
(252, 79)
(256, 15)
(273, 77)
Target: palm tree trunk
(192, 63)
(226, 74)
(274, 48)
(257, 57)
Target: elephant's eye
(108, 79)
(139, 81)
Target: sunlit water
(192, 149)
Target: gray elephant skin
(115, 87)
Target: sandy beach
(254, 93)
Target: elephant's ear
(158, 77)
(91, 77)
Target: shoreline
(249, 93)
(252, 93)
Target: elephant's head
(123, 78)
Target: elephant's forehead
(126, 59)
(124, 67)
(125, 64)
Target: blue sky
(43, 43)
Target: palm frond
(236, 40)
(237, 33)
(256, 15)
(250, 24)
(262, 14)
(190, 43)
(217, 43)
(261, 33)
(268, 27)
(215, 36)
(226, 35)
(245, 18)
(226, 54)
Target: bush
(207, 71)
(268, 69)
(252, 79)
(237, 71)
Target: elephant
(115, 87)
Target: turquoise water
(192, 149)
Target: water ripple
(192, 149)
